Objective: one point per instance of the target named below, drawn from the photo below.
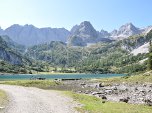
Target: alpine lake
(57, 76)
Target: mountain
(144, 45)
(120, 56)
(1, 31)
(13, 45)
(141, 49)
(80, 35)
(146, 30)
(7, 54)
(55, 53)
(85, 33)
(104, 34)
(128, 30)
(115, 57)
(29, 35)
(125, 31)
(124, 55)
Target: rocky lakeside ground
(128, 93)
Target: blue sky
(103, 14)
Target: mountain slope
(11, 51)
(125, 31)
(13, 45)
(29, 35)
(7, 54)
(142, 49)
(115, 57)
(128, 30)
(85, 33)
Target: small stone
(79, 91)
(103, 97)
(136, 89)
(101, 85)
(83, 84)
(148, 102)
(124, 100)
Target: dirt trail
(34, 100)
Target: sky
(103, 14)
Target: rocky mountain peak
(125, 31)
(29, 26)
(14, 26)
(74, 29)
(128, 26)
(85, 33)
(1, 30)
(86, 23)
(104, 32)
(86, 28)
(114, 32)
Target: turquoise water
(59, 76)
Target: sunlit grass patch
(3, 99)
(33, 83)
(93, 104)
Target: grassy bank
(44, 84)
(92, 104)
(141, 79)
(3, 99)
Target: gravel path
(34, 100)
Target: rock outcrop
(8, 54)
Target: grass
(93, 104)
(3, 98)
(44, 84)
(141, 79)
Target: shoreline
(37, 73)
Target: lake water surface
(58, 76)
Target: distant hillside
(55, 53)
(13, 60)
(7, 51)
(115, 57)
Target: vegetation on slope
(99, 58)
(134, 79)
(150, 52)
(106, 57)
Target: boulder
(103, 97)
(148, 102)
(101, 85)
(124, 100)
